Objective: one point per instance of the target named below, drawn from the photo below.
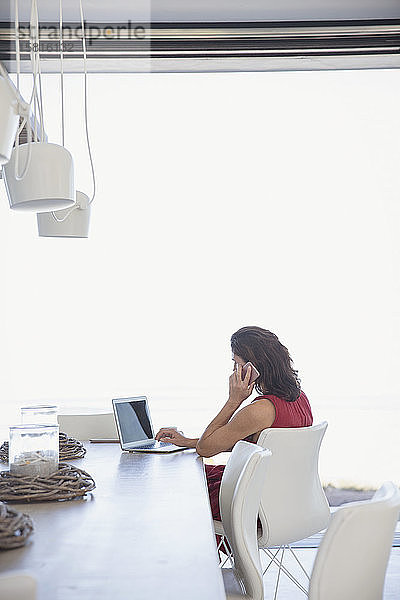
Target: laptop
(135, 430)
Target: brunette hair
(272, 359)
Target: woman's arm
(221, 436)
(238, 391)
(225, 430)
(170, 434)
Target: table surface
(145, 532)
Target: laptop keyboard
(153, 445)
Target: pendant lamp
(68, 223)
(12, 107)
(46, 181)
(72, 222)
(49, 180)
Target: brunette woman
(281, 402)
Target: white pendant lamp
(72, 222)
(68, 223)
(11, 108)
(49, 180)
(12, 105)
(9, 119)
(46, 182)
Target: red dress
(287, 414)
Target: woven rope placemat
(65, 484)
(15, 528)
(4, 452)
(69, 448)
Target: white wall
(223, 200)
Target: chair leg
(224, 548)
(298, 562)
(221, 564)
(270, 562)
(281, 567)
(279, 572)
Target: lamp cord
(86, 116)
(17, 55)
(36, 71)
(34, 25)
(86, 101)
(62, 104)
(62, 74)
(40, 103)
(71, 210)
(26, 119)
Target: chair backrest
(85, 427)
(17, 586)
(240, 494)
(293, 502)
(352, 559)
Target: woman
(281, 403)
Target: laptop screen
(134, 422)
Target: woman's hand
(170, 434)
(239, 389)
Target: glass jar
(33, 450)
(42, 414)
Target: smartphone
(254, 373)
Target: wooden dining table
(145, 532)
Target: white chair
(293, 503)
(241, 487)
(17, 586)
(85, 427)
(352, 558)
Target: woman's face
(237, 360)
